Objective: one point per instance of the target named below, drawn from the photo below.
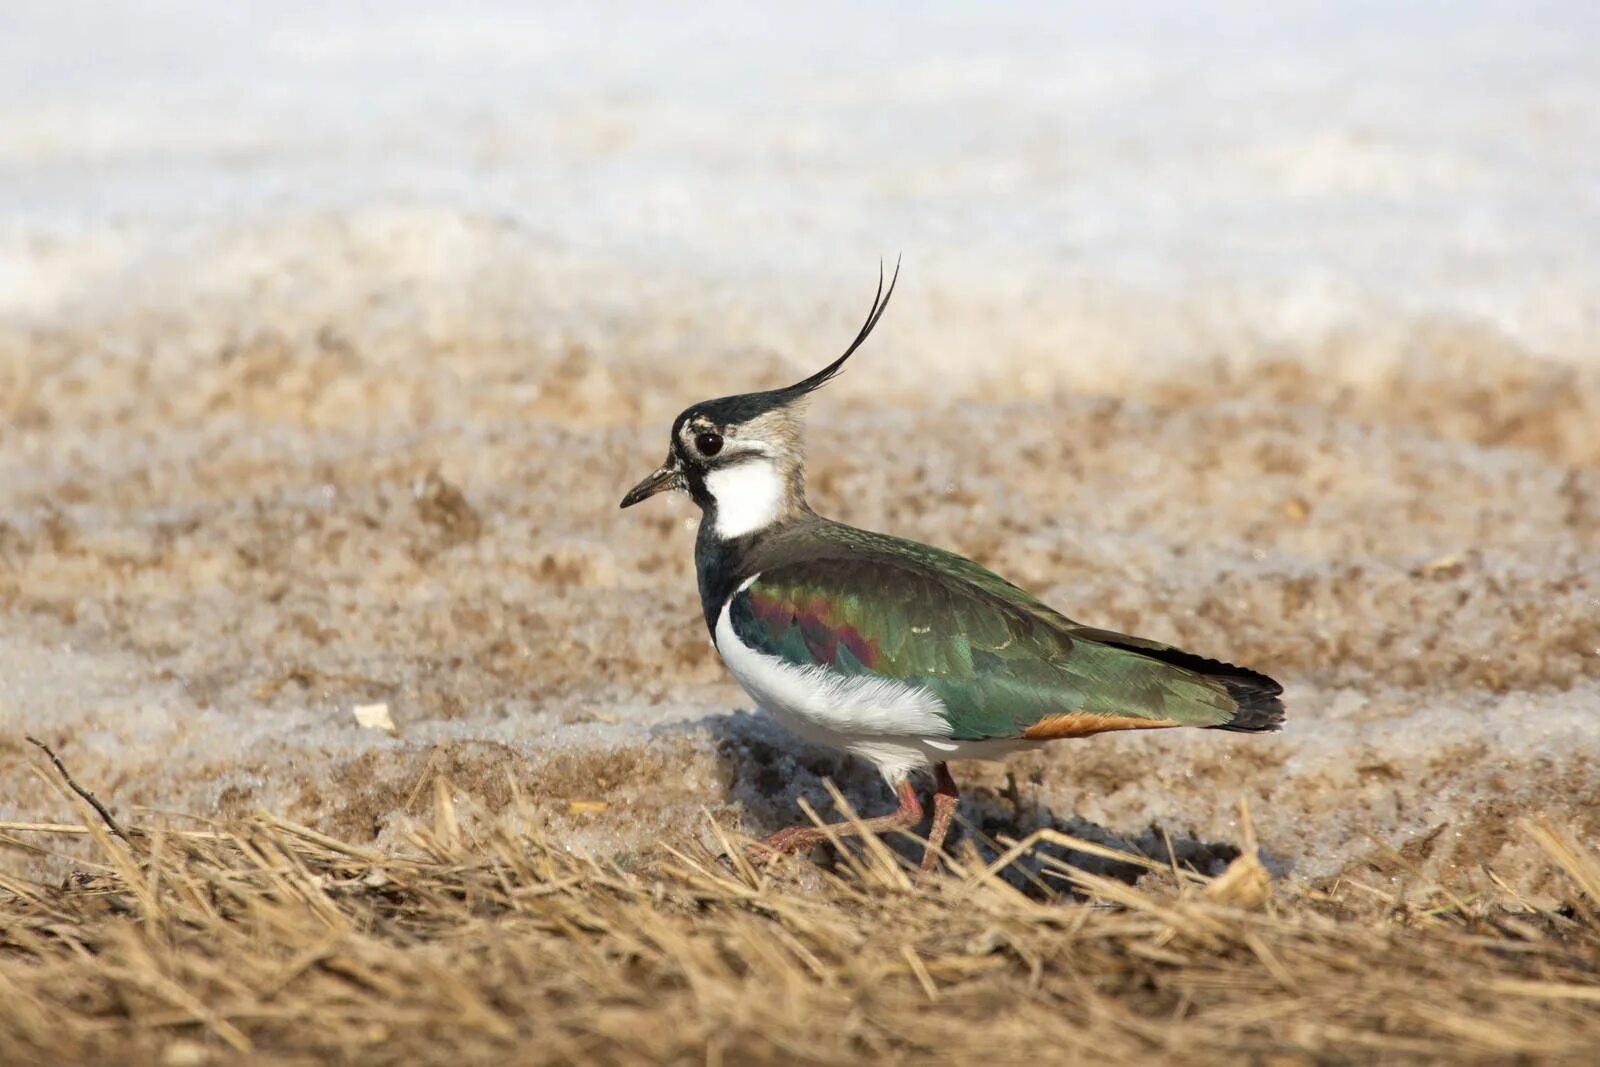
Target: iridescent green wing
(1002, 662)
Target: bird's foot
(945, 799)
(783, 843)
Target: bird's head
(740, 457)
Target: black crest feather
(747, 406)
(880, 301)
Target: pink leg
(945, 798)
(800, 838)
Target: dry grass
(265, 941)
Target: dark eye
(708, 444)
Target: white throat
(749, 495)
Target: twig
(79, 828)
(93, 801)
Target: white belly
(898, 726)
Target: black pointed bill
(665, 477)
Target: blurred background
(330, 335)
(1088, 189)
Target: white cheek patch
(750, 496)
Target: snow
(1268, 330)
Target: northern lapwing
(903, 654)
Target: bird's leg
(945, 798)
(800, 838)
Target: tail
(1258, 708)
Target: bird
(903, 654)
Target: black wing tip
(1260, 710)
(1255, 696)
